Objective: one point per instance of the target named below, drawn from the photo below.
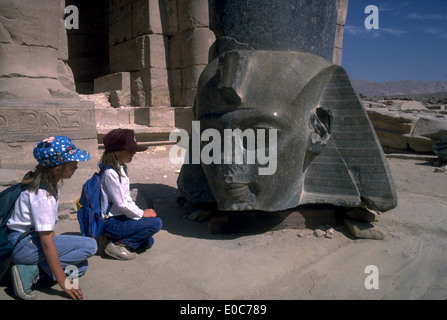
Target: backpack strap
(25, 187)
(43, 186)
(22, 236)
(106, 215)
(103, 169)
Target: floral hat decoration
(57, 150)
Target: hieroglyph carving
(26, 123)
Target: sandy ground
(188, 262)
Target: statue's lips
(236, 190)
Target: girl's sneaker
(23, 277)
(119, 251)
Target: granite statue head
(305, 111)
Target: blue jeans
(72, 250)
(136, 234)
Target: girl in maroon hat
(130, 228)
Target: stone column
(275, 25)
(342, 6)
(137, 63)
(186, 22)
(36, 85)
(158, 50)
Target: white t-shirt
(112, 190)
(34, 212)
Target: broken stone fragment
(364, 230)
(319, 233)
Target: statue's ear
(320, 123)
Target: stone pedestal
(258, 221)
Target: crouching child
(42, 253)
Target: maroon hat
(122, 139)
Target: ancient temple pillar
(37, 97)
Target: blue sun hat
(57, 150)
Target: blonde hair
(109, 159)
(43, 175)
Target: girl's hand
(72, 289)
(149, 213)
(52, 256)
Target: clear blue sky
(410, 44)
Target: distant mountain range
(398, 88)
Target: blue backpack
(8, 198)
(90, 220)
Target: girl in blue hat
(61, 257)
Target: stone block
(141, 53)
(9, 177)
(364, 230)
(169, 17)
(193, 14)
(191, 75)
(111, 82)
(146, 18)
(392, 140)
(115, 116)
(184, 117)
(175, 85)
(150, 88)
(431, 127)
(385, 120)
(66, 75)
(128, 56)
(120, 21)
(120, 32)
(338, 44)
(190, 48)
(155, 116)
(35, 89)
(24, 122)
(63, 40)
(28, 61)
(342, 10)
(421, 144)
(189, 96)
(29, 24)
(181, 96)
(412, 105)
(143, 134)
(120, 98)
(174, 52)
